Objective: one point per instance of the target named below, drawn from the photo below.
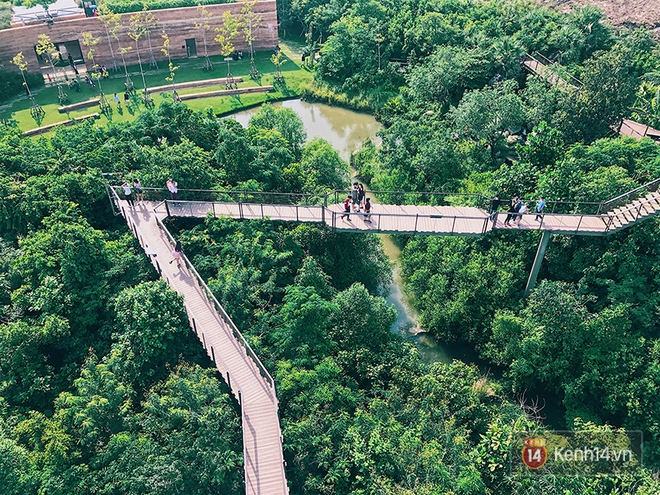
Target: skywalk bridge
(396, 212)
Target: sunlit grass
(295, 79)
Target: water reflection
(344, 129)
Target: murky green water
(346, 130)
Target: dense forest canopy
(104, 389)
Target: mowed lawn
(295, 78)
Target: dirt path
(628, 12)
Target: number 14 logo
(534, 453)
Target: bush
(124, 6)
(5, 15)
(11, 84)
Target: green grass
(295, 79)
(5, 15)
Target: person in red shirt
(347, 208)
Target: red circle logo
(534, 453)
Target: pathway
(432, 220)
(248, 380)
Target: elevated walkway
(559, 217)
(248, 379)
(553, 74)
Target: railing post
(416, 218)
(453, 225)
(167, 207)
(240, 210)
(577, 229)
(379, 215)
(297, 217)
(262, 210)
(323, 214)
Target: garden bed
(79, 105)
(46, 128)
(227, 92)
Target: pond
(346, 131)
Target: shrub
(11, 83)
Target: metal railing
(554, 68)
(246, 346)
(219, 196)
(629, 196)
(222, 313)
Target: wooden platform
(402, 219)
(264, 470)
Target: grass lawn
(295, 79)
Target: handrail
(306, 199)
(226, 318)
(651, 186)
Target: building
(186, 41)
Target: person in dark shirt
(347, 208)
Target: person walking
(137, 187)
(347, 208)
(173, 187)
(127, 194)
(360, 195)
(117, 101)
(354, 192)
(494, 206)
(367, 210)
(511, 211)
(539, 209)
(176, 254)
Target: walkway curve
(249, 381)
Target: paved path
(403, 219)
(264, 472)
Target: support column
(538, 259)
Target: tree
(172, 68)
(36, 111)
(152, 332)
(224, 36)
(47, 50)
(276, 59)
(136, 31)
(485, 114)
(250, 22)
(204, 27)
(111, 23)
(284, 120)
(90, 42)
(322, 167)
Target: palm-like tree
(136, 31)
(203, 26)
(224, 36)
(47, 50)
(35, 110)
(171, 66)
(250, 21)
(90, 42)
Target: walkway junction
(449, 214)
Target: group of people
(356, 203)
(128, 193)
(517, 208)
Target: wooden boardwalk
(411, 219)
(262, 439)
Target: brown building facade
(179, 24)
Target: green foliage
(11, 84)
(124, 6)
